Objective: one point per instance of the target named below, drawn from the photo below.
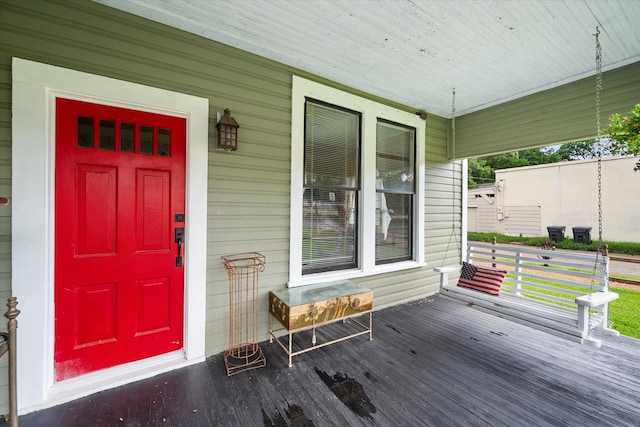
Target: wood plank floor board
(375, 384)
(483, 368)
(508, 363)
(432, 362)
(561, 383)
(461, 368)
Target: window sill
(354, 274)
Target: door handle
(179, 239)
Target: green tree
(577, 150)
(483, 170)
(585, 149)
(624, 132)
(479, 173)
(540, 156)
(506, 161)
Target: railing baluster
(12, 325)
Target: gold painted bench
(311, 306)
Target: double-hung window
(395, 191)
(356, 186)
(331, 188)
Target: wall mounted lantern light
(227, 132)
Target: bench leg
(444, 279)
(583, 325)
(604, 326)
(583, 320)
(290, 356)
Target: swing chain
(453, 123)
(599, 86)
(453, 172)
(453, 143)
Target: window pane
(332, 145)
(395, 170)
(329, 235)
(146, 140)
(107, 135)
(127, 137)
(85, 132)
(394, 227)
(331, 184)
(164, 142)
(395, 156)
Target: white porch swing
(560, 292)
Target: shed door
(119, 198)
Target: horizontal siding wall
(248, 190)
(443, 199)
(563, 114)
(521, 221)
(487, 219)
(482, 202)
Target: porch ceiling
(415, 51)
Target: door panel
(95, 321)
(119, 295)
(152, 210)
(154, 309)
(96, 210)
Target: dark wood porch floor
(431, 363)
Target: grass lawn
(624, 313)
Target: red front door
(119, 199)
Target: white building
(525, 201)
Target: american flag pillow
(487, 280)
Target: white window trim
(465, 206)
(371, 111)
(35, 87)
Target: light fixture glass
(227, 132)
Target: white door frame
(35, 88)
